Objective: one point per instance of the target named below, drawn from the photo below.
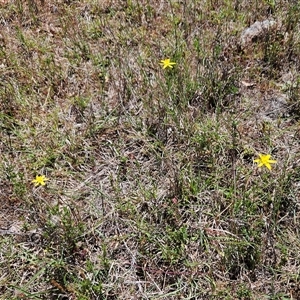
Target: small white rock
(256, 30)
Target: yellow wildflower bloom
(39, 180)
(264, 160)
(167, 63)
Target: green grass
(152, 190)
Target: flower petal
(268, 166)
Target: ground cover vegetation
(147, 152)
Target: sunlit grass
(147, 119)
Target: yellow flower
(39, 180)
(264, 160)
(167, 63)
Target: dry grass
(152, 191)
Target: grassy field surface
(149, 149)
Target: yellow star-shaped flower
(39, 180)
(167, 63)
(264, 160)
